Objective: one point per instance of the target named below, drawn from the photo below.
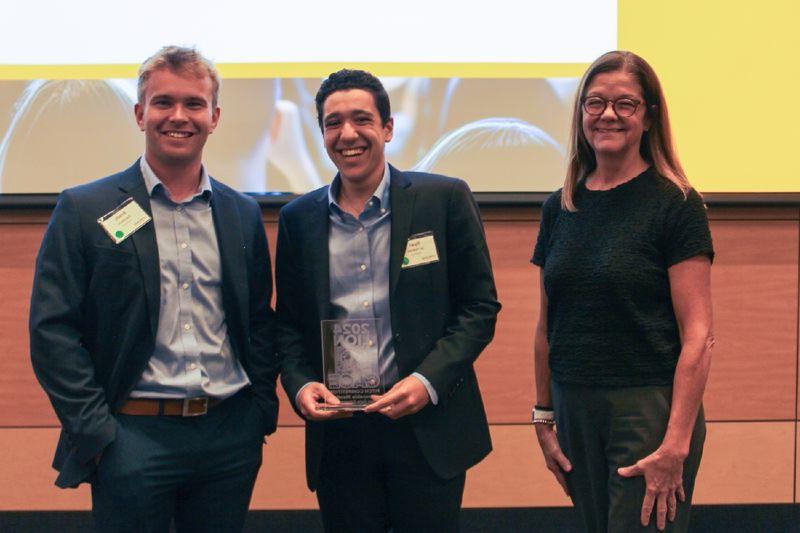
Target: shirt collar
(151, 181)
(381, 192)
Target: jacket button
(397, 337)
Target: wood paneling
(22, 402)
(281, 483)
(747, 462)
(753, 375)
(514, 474)
(743, 463)
(763, 212)
(797, 465)
(28, 478)
(754, 292)
(755, 302)
(505, 369)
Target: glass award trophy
(350, 364)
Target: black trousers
(602, 429)
(374, 478)
(198, 471)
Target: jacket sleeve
(263, 359)
(60, 360)
(473, 296)
(296, 369)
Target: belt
(155, 407)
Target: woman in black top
(624, 338)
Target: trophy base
(343, 407)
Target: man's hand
(663, 477)
(554, 458)
(311, 399)
(407, 397)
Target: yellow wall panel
(730, 72)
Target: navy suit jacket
(443, 314)
(95, 304)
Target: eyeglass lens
(624, 107)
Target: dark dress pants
(198, 471)
(603, 428)
(374, 478)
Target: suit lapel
(230, 242)
(144, 241)
(401, 198)
(318, 253)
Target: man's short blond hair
(178, 59)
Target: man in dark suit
(151, 329)
(408, 250)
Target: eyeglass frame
(613, 105)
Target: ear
(214, 119)
(138, 113)
(388, 130)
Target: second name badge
(420, 250)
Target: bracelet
(541, 415)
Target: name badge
(124, 220)
(420, 250)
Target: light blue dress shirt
(359, 250)
(192, 354)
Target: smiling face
(354, 135)
(608, 134)
(177, 115)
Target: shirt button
(365, 303)
(363, 268)
(192, 366)
(185, 285)
(184, 245)
(370, 343)
(187, 327)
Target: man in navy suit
(150, 325)
(407, 251)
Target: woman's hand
(554, 458)
(663, 478)
(690, 287)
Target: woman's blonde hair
(656, 145)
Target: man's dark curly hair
(347, 79)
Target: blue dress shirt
(359, 250)
(192, 354)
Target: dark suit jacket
(95, 304)
(443, 314)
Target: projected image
(498, 134)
